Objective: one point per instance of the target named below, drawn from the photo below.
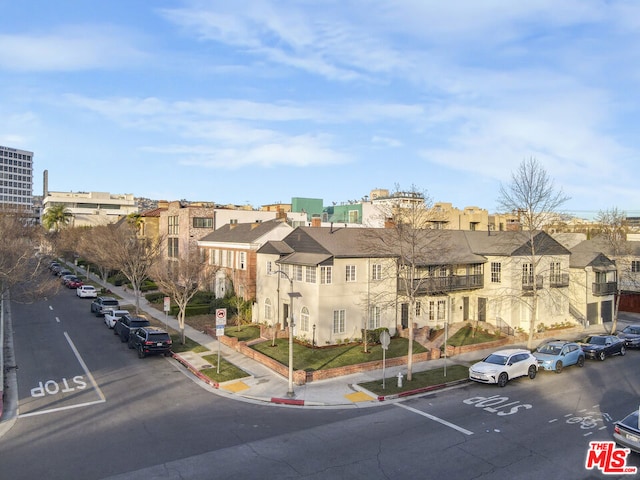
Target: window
(376, 271)
(418, 309)
(212, 257)
(267, 309)
(442, 305)
(350, 273)
(229, 258)
(242, 260)
(496, 272)
(338, 321)
(374, 318)
(173, 225)
(527, 274)
(269, 267)
(310, 274)
(635, 266)
(554, 272)
(304, 319)
(432, 313)
(173, 247)
(353, 216)
(297, 273)
(201, 222)
(325, 275)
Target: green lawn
(311, 359)
(427, 378)
(243, 333)
(469, 336)
(228, 371)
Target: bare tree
(22, 273)
(411, 240)
(123, 250)
(95, 247)
(181, 278)
(533, 196)
(613, 233)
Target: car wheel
(130, 344)
(503, 379)
(581, 361)
(558, 366)
(601, 356)
(623, 350)
(115, 332)
(532, 371)
(140, 352)
(122, 339)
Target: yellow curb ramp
(234, 387)
(359, 397)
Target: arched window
(304, 319)
(267, 309)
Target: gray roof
(589, 254)
(241, 232)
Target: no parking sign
(221, 321)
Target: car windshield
(631, 421)
(632, 330)
(550, 349)
(597, 340)
(496, 359)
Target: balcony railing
(527, 282)
(452, 283)
(561, 280)
(604, 288)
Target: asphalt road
(90, 409)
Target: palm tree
(56, 217)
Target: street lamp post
(292, 295)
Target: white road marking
(554, 420)
(435, 419)
(89, 376)
(50, 307)
(57, 320)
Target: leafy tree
(56, 217)
(533, 196)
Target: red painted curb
(416, 391)
(287, 401)
(195, 371)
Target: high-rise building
(16, 179)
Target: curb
(194, 370)
(408, 393)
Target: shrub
(155, 297)
(373, 336)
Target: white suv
(87, 291)
(111, 316)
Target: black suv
(100, 304)
(150, 341)
(128, 323)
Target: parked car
(67, 278)
(631, 336)
(626, 432)
(150, 341)
(602, 346)
(126, 324)
(53, 265)
(87, 291)
(557, 354)
(504, 365)
(63, 271)
(74, 283)
(100, 304)
(112, 315)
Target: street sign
(167, 304)
(221, 316)
(219, 331)
(385, 339)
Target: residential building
(324, 279)
(232, 250)
(593, 284)
(16, 180)
(343, 285)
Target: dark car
(128, 323)
(631, 336)
(100, 304)
(626, 432)
(150, 341)
(602, 346)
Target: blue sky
(261, 101)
